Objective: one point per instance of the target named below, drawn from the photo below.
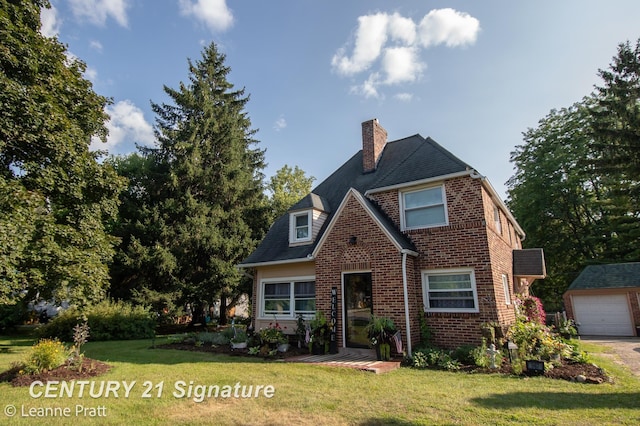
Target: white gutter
(406, 300)
(277, 262)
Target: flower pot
(317, 349)
(239, 345)
(283, 347)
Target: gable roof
(403, 162)
(617, 275)
(386, 226)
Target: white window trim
(403, 224)
(291, 281)
(292, 226)
(425, 290)
(497, 221)
(507, 291)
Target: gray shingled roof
(617, 275)
(406, 160)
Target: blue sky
(473, 75)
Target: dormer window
(300, 227)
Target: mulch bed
(226, 350)
(571, 371)
(586, 373)
(90, 368)
(568, 370)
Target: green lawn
(315, 395)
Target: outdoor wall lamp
(353, 240)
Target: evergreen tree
(204, 210)
(575, 190)
(55, 196)
(615, 120)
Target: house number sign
(333, 343)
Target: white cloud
(449, 27)
(401, 65)
(50, 22)
(97, 11)
(213, 13)
(126, 125)
(369, 88)
(280, 124)
(388, 46)
(402, 29)
(91, 74)
(95, 45)
(370, 37)
(404, 97)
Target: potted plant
(239, 339)
(319, 336)
(380, 331)
(273, 335)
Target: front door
(358, 308)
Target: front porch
(360, 359)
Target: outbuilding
(604, 300)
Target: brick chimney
(374, 137)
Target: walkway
(626, 350)
(351, 358)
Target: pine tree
(209, 208)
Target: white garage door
(603, 315)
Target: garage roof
(617, 275)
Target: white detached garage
(605, 300)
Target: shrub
(432, 357)
(108, 320)
(480, 356)
(11, 315)
(536, 341)
(213, 339)
(45, 355)
(464, 354)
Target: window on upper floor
(288, 298)
(451, 290)
(496, 219)
(507, 293)
(423, 208)
(300, 227)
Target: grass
(315, 395)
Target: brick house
(401, 227)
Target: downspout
(406, 301)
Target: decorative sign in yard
(333, 342)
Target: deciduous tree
(56, 196)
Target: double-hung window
(300, 227)
(288, 298)
(424, 208)
(450, 291)
(505, 286)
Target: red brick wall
(468, 241)
(372, 252)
